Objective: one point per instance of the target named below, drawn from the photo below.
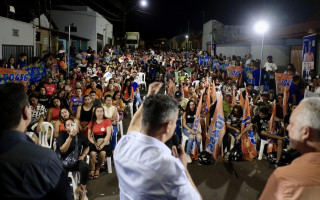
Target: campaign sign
(13, 75)
(235, 73)
(282, 81)
(309, 46)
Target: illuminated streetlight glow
(144, 3)
(187, 36)
(261, 27)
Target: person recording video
(145, 166)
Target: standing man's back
(28, 171)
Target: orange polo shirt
(299, 180)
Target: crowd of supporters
(93, 95)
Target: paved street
(237, 180)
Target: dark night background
(166, 18)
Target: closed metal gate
(15, 51)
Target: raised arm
(135, 124)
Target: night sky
(167, 18)
(170, 17)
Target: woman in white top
(111, 112)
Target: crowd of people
(85, 102)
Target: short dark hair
(33, 96)
(296, 78)
(264, 110)
(13, 100)
(157, 110)
(107, 96)
(93, 92)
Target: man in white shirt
(249, 58)
(108, 75)
(78, 58)
(145, 167)
(271, 68)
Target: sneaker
(286, 140)
(189, 160)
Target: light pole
(261, 27)
(142, 3)
(187, 36)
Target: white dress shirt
(146, 169)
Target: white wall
(277, 49)
(26, 33)
(206, 36)
(233, 49)
(83, 20)
(88, 22)
(101, 24)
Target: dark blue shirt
(295, 90)
(256, 76)
(29, 171)
(22, 64)
(135, 86)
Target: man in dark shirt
(295, 95)
(252, 92)
(28, 171)
(262, 121)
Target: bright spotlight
(187, 36)
(144, 3)
(261, 27)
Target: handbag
(72, 159)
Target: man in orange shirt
(94, 88)
(300, 179)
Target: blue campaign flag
(201, 60)
(36, 72)
(214, 64)
(206, 59)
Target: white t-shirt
(271, 67)
(147, 170)
(108, 76)
(78, 62)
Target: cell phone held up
(73, 127)
(175, 142)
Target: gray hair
(310, 114)
(158, 109)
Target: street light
(144, 3)
(260, 28)
(187, 36)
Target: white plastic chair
(185, 138)
(120, 126)
(262, 144)
(75, 180)
(43, 135)
(131, 109)
(142, 80)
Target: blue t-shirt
(256, 76)
(22, 64)
(295, 90)
(135, 86)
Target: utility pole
(50, 26)
(188, 37)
